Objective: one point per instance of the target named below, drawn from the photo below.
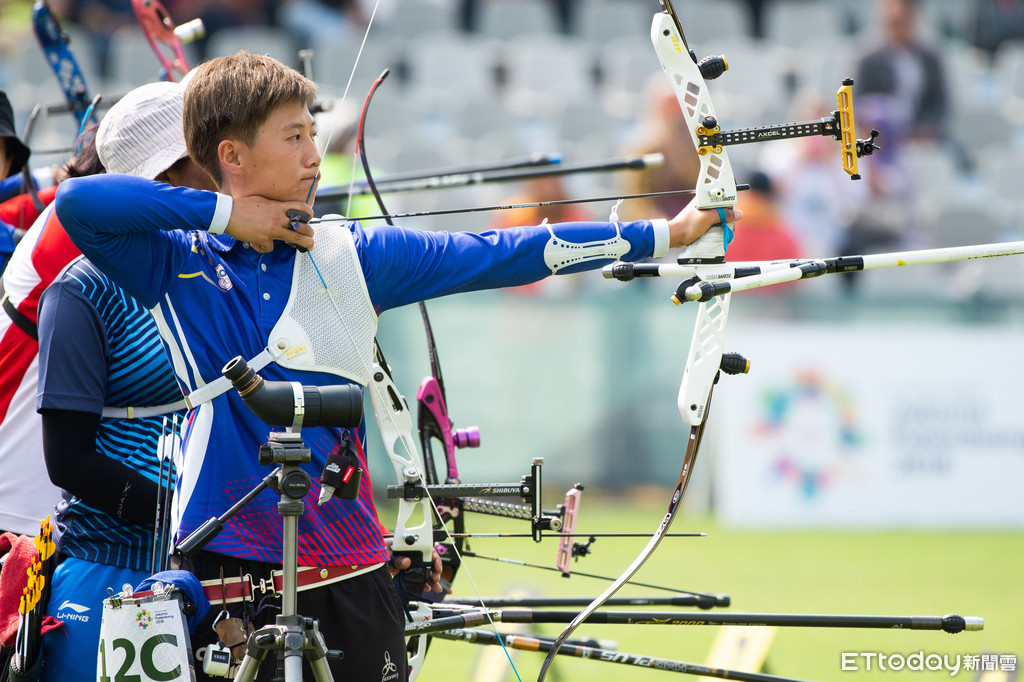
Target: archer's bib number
(143, 640)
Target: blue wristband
(727, 231)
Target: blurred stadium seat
(602, 21)
(511, 18)
(270, 40)
(793, 22)
(546, 71)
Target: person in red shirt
(26, 494)
(766, 234)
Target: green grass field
(973, 573)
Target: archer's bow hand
(693, 222)
(401, 563)
(260, 221)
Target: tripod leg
(321, 671)
(293, 666)
(250, 665)
(316, 653)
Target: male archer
(218, 270)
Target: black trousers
(361, 616)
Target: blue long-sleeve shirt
(221, 299)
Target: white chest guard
(328, 324)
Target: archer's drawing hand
(260, 221)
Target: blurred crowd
(476, 80)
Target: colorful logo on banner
(144, 619)
(812, 425)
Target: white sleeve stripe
(179, 341)
(171, 344)
(221, 214)
(661, 237)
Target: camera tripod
(294, 637)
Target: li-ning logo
(390, 670)
(79, 612)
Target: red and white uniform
(21, 211)
(26, 494)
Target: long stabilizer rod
(571, 648)
(741, 276)
(951, 623)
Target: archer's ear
(230, 155)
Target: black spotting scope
(274, 402)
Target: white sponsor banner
(871, 426)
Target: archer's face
(282, 162)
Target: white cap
(143, 133)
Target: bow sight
(839, 126)
(474, 497)
(711, 138)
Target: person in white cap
(105, 388)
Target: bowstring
(361, 151)
(412, 455)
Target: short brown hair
(232, 97)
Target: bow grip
(411, 581)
